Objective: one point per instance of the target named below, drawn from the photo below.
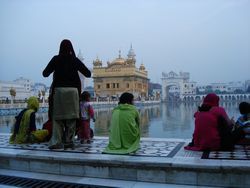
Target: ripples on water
(159, 121)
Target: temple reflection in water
(161, 121)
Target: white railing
(19, 105)
(94, 103)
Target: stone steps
(178, 169)
(86, 181)
(157, 161)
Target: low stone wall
(12, 109)
(15, 111)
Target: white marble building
(21, 85)
(229, 87)
(173, 82)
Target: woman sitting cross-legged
(24, 130)
(124, 137)
(213, 127)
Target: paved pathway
(148, 147)
(162, 161)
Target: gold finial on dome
(119, 54)
(97, 62)
(142, 67)
(119, 60)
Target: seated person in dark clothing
(242, 124)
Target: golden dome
(119, 61)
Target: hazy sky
(208, 38)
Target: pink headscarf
(211, 100)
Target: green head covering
(33, 103)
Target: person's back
(242, 125)
(66, 89)
(66, 71)
(65, 66)
(206, 134)
(85, 133)
(87, 111)
(25, 123)
(212, 126)
(124, 134)
(246, 127)
(123, 121)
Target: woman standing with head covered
(65, 94)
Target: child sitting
(242, 125)
(25, 126)
(87, 112)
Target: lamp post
(12, 94)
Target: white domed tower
(131, 53)
(131, 56)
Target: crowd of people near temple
(70, 113)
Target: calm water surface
(159, 121)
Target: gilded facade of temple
(120, 75)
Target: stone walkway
(148, 148)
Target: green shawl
(124, 137)
(23, 135)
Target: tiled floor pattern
(147, 148)
(239, 153)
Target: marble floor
(150, 148)
(158, 163)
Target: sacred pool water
(159, 121)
